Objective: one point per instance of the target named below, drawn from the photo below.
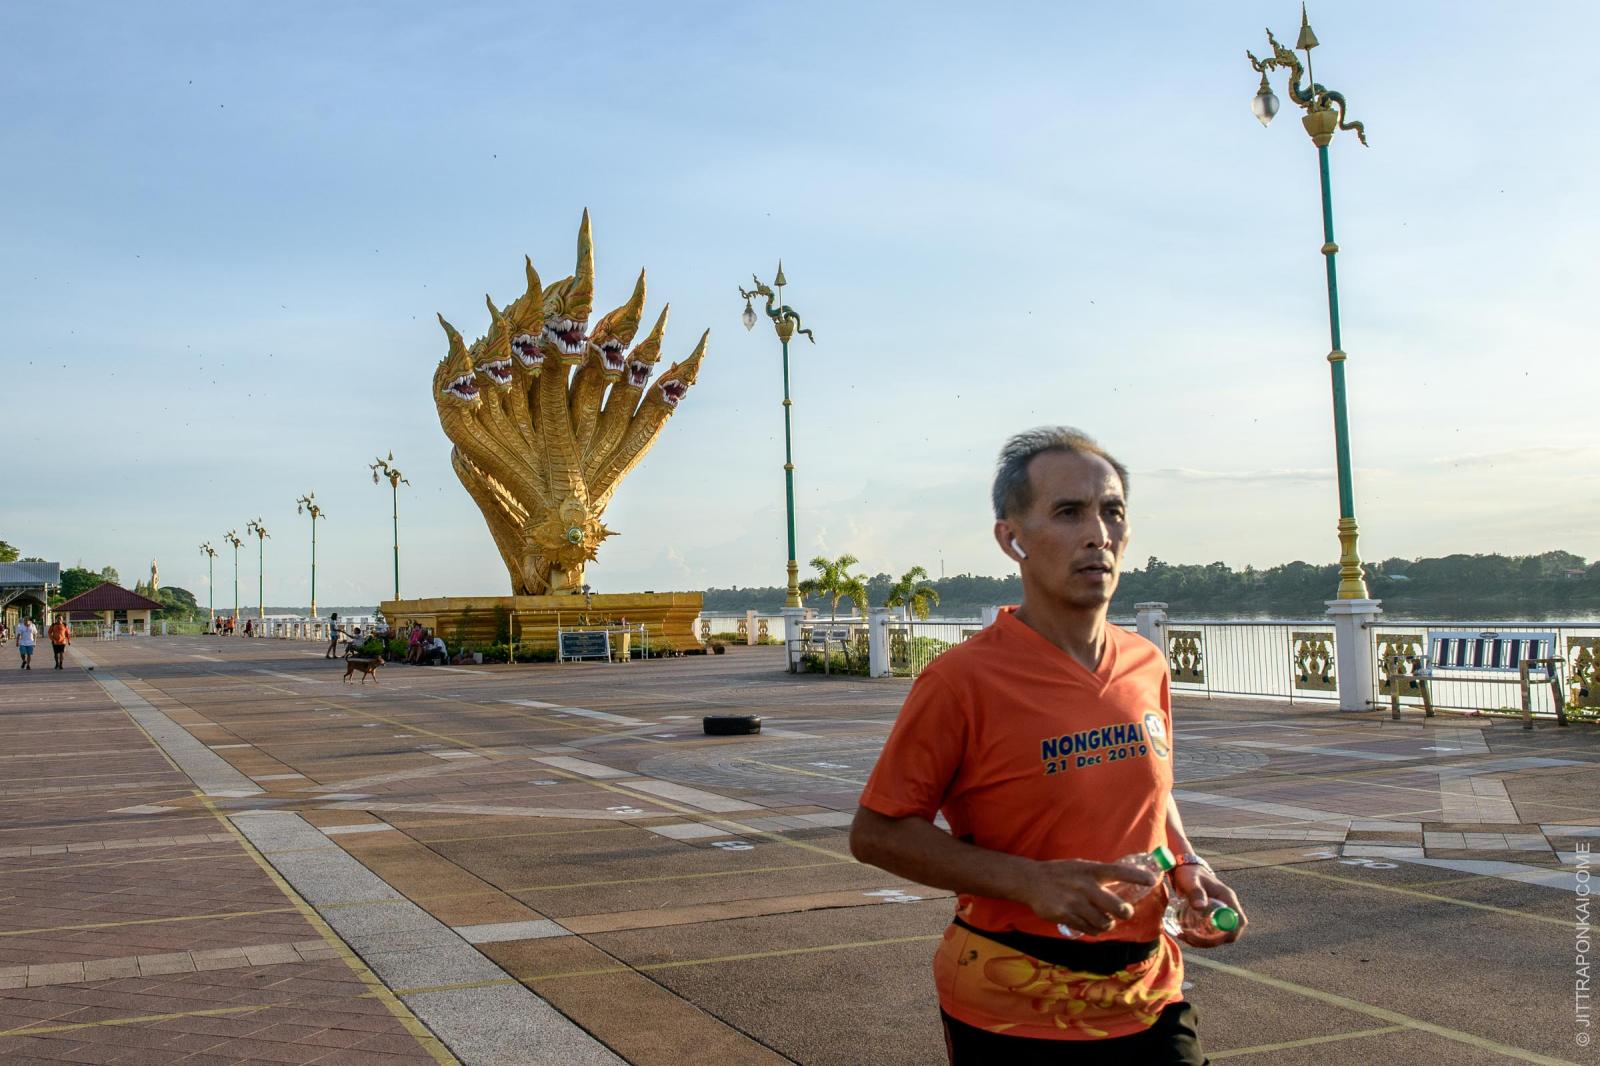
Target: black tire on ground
(731, 725)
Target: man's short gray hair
(1013, 492)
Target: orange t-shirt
(1028, 752)
(59, 633)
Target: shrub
(500, 652)
(838, 663)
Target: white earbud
(1018, 549)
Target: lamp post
(261, 533)
(383, 469)
(232, 537)
(211, 586)
(1324, 115)
(308, 504)
(785, 322)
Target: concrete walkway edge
(503, 1024)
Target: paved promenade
(213, 851)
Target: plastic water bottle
(1204, 922)
(1157, 862)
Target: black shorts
(1171, 1041)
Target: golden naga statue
(547, 417)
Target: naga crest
(541, 446)
(1314, 98)
(782, 315)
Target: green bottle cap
(1225, 919)
(1163, 857)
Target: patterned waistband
(1095, 956)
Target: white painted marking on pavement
(694, 797)
(291, 677)
(581, 766)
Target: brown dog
(367, 667)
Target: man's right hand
(1072, 892)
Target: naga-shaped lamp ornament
(1324, 108)
(547, 417)
(783, 316)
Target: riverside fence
(1289, 660)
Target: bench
(1522, 659)
(814, 638)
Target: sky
(228, 228)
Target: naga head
(453, 380)
(492, 355)
(644, 358)
(761, 289)
(615, 330)
(525, 324)
(676, 381)
(567, 304)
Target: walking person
(1046, 741)
(60, 637)
(27, 635)
(335, 631)
(249, 627)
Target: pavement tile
(501, 931)
(58, 973)
(155, 965)
(652, 893)
(271, 954)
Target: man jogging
(1045, 740)
(27, 635)
(60, 637)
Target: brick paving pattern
(686, 899)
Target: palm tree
(913, 593)
(834, 582)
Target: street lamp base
(1352, 582)
(793, 599)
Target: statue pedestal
(532, 621)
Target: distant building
(25, 590)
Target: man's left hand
(1199, 885)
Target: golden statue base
(532, 621)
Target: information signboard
(584, 644)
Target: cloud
(1296, 476)
(1521, 456)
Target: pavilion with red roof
(111, 602)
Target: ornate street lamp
(383, 469)
(786, 323)
(232, 537)
(307, 504)
(261, 533)
(1324, 115)
(211, 586)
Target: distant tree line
(1554, 583)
